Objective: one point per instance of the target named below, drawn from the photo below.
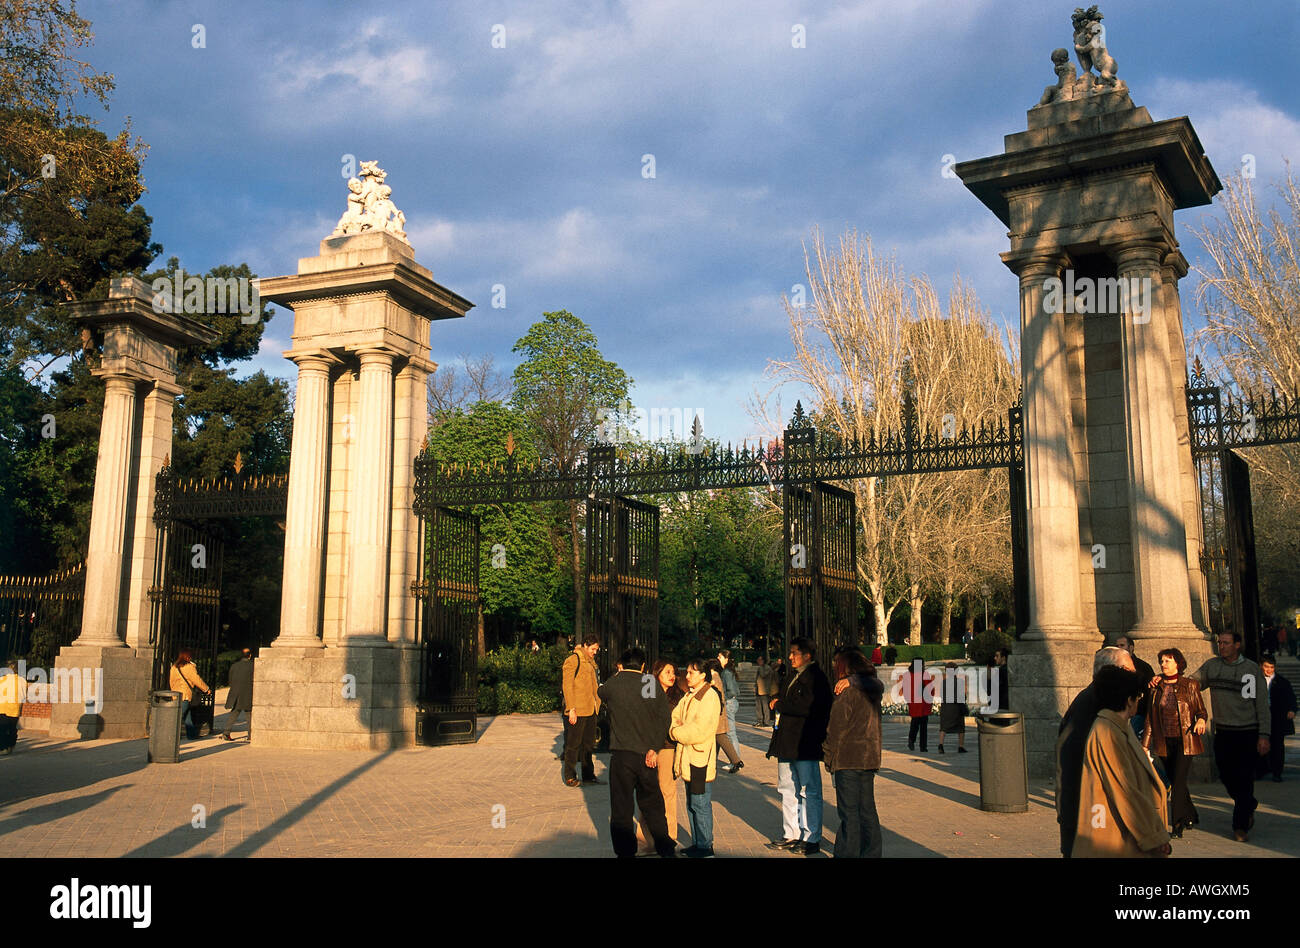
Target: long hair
(183, 657)
(674, 694)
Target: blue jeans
(700, 808)
(187, 719)
(800, 785)
(733, 709)
(855, 798)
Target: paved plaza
(102, 799)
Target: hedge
(930, 652)
(515, 679)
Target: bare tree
(451, 390)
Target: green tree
(563, 389)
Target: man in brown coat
(579, 681)
(1122, 808)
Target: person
(184, 677)
(1071, 740)
(637, 727)
(802, 709)
(665, 673)
(1242, 725)
(240, 698)
(779, 674)
(580, 681)
(694, 728)
(918, 689)
(1121, 798)
(999, 683)
(13, 692)
(731, 695)
(764, 684)
(952, 714)
(877, 657)
(1175, 722)
(1147, 673)
(851, 752)
(1282, 710)
(724, 722)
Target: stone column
(1160, 577)
(304, 525)
(104, 556)
(1052, 505)
(372, 487)
(410, 413)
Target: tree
(561, 388)
(1251, 294)
(450, 391)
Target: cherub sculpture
(353, 220)
(1090, 46)
(1066, 77)
(370, 206)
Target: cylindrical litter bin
(1004, 767)
(164, 727)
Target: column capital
(1038, 265)
(313, 358)
(1175, 264)
(1137, 254)
(375, 355)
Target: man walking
(803, 709)
(1147, 672)
(1072, 741)
(764, 685)
(240, 699)
(1239, 709)
(639, 724)
(1282, 711)
(579, 681)
(13, 692)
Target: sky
(515, 137)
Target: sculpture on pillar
(370, 206)
(1067, 79)
(1090, 46)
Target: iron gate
(447, 628)
(623, 577)
(1228, 547)
(186, 613)
(820, 543)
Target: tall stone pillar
(333, 678)
(304, 524)
(372, 495)
(1095, 181)
(138, 364)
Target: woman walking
(730, 693)
(695, 728)
(852, 754)
(725, 741)
(665, 674)
(1175, 722)
(952, 714)
(185, 678)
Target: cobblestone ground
(102, 799)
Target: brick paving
(102, 799)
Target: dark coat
(805, 708)
(1281, 699)
(1190, 710)
(638, 715)
(1070, 746)
(240, 697)
(853, 738)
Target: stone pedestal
(362, 311)
(138, 365)
(123, 702)
(1088, 194)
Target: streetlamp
(984, 591)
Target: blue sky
(523, 165)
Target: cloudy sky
(521, 163)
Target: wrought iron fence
(41, 614)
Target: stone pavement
(102, 799)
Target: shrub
(986, 643)
(930, 652)
(515, 678)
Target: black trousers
(1177, 764)
(1272, 762)
(1235, 754)
(580, 738)
(921, 726)
(628, 774)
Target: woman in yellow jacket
(694, 728)
(185, 678)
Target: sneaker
(782, 844)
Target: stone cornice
(405, 285)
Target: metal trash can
(164, 727)
(1004, 767)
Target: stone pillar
(304, 526)
(410, 413)
(372, 493)
(1053, 510)
(108, 519)
(1163, 606)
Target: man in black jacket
(240, 698)
(1282, 709)
(1072, 741)
(803, 709)
(639, 724)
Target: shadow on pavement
(183, 838)
(37, 772)
(49, 812)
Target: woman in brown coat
(1176, 719)
(1122, 808)
(852, 754)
